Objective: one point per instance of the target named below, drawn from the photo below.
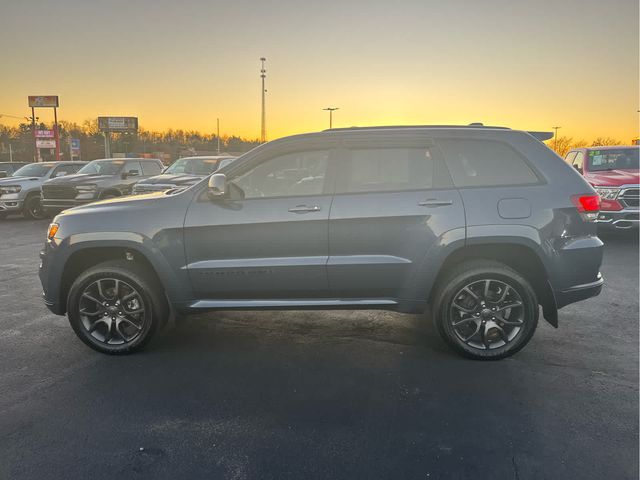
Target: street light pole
(331, 110)
(218, 134)
(263, 128)
(555, 138)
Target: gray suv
(98, 180)
(477, 225)
(20, 193)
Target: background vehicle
(615, 174)
(99, 179)
(7, 168)
(479, 224)
(183, 172)
(20, 193)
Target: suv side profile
(98, 180)
(478, 225)
(20, 193)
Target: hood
(19, 180)
(128, 204)
(78, 179)
(173, 179)
(613, 178)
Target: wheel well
(522, 259)
(81, 260)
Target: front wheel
(485, 310)
(116, 307)
(33, 208)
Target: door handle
(432, 202)
(304, 208)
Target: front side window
(386, 170)
(151, 168)
(289, 175)
(193, 166)
(33, 170)
(102, 167)
(614, 159)
(482, 163)
(578, 162)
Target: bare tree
(605, 141)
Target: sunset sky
(180, 64)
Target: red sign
(45, 134)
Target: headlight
(607, 193)
(10, 189)
(53, 229)
(86, 188)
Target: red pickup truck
(614, 173)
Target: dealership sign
(42, 143)
(45, 134)
(43, 101)
(118, 124)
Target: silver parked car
(20, 193)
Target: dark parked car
(183, 172)
(614, 171)
(97, 180)
(20, 193)
(479, 225)
(7, 168)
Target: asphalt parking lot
(297, 395)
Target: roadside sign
(45, 134)
(42, 143)
(75, 144)
(43, 101)
(118, 124)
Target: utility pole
(331, 110)
(218, 134)
(263, 129)
(555, 138)
(36, 153)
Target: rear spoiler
(542, 136)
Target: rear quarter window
(484, 163)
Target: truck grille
(629, 197)
(59, 192)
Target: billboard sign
(42, 143)
(43, 101)
(118, 124)
(45, 134)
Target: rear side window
(386, 170)
(151, 168)
(481, 163)
(132, 166)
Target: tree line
(170, 144)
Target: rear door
(393, 203)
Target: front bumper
(61, 204)
(619, 219)
(10, 205)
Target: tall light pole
(331, 110)
(218, 134)
(263, 127)
(555, 138)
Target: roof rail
(391, 127)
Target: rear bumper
(620, 219)
(577, 293)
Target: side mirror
(130, 173)
(59, 174)
(577, 167)
(217, 186)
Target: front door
(393, 202)
(273, 242)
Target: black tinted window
(151, 168)
(386, 170)
(475, 163)
(133, 166)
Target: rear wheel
(33, 207)
(116, 307)
(485, 310)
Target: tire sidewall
(511, 278)
(136, 281)
(27, 207)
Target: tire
(112, 327)
(32, 208)
(473, 320)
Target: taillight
(587, 205)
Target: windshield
(33, 170)
(613, 159)
(102, 167)
(195, 166)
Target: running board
(241, 304)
